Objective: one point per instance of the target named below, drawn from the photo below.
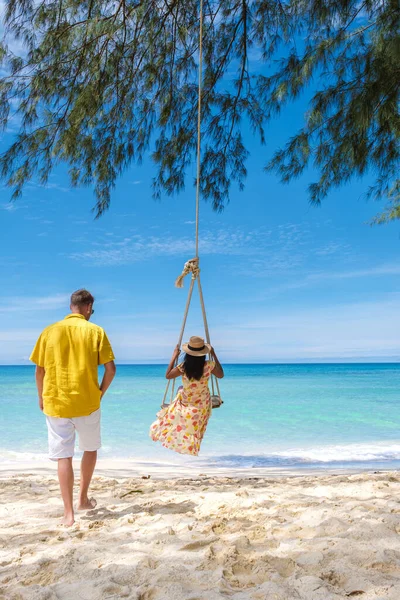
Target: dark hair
(194, 366)
(81, 298)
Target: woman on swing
(182, 424)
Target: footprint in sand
(257, 533)
(9, 560)
(219, 526)
(79, 535)
(199, 544)
(96, 524)
(115, 591)
(149, 594)
(245, 573)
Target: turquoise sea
(315, 415)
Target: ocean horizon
(307, 361)
(289, 415)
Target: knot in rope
(191, 266)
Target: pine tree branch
(107, 81)
(242, 75)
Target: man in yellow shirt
(67, 355)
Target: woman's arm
(172, 371)
(218, 370)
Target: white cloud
(333, 248)
(284, 252)
(139, 248)
(228, 242)
(18, 335)
(378, 270)
(48, 186)
(31, 304)
(15, 46)
(311, 279)
(10, 207)
(351, 330)
(13, 123)
(16, 345)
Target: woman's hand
(218, 370)
(177, 352)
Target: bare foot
(87, 504)
(68, 519)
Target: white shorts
(62, 431)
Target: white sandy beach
(312, 537)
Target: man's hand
(41, 404)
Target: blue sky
(283, 281)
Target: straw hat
(196, 347)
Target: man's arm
(39, 376)
(109, 373)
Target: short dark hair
(81, 298)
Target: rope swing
(192, 265)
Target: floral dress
(182, 424)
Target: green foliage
(353, 124)
(102, 84)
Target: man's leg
(61, 433)
(66, 479)
(88, 429)
(88, 464)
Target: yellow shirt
(70, 352)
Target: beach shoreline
(123, 468)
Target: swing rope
(192, 265)
(199, 127)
